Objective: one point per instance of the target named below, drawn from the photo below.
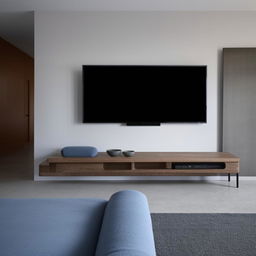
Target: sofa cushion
(126, 228)
(50, 227)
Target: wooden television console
(144, 164)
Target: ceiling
(18, 29)
(128, 5)
(17, 19)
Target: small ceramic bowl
(129, 153)
(114, 152)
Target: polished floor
(16, 181)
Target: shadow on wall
(78, 95)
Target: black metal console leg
(237, 180)
(229, 177)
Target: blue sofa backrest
(77, 227)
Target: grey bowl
(114, 152)
(129, 153)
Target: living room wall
(64, 41)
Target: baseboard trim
(144, 178)
(247, 177)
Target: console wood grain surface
(141, 164)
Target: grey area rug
(204, 234)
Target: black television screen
(144, 94)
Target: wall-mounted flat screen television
(146, 95)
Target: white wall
(66, 41)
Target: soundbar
(143, 124)
(199, 165)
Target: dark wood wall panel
(239, 106)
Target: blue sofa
(73, 227)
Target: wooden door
(16, 97)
